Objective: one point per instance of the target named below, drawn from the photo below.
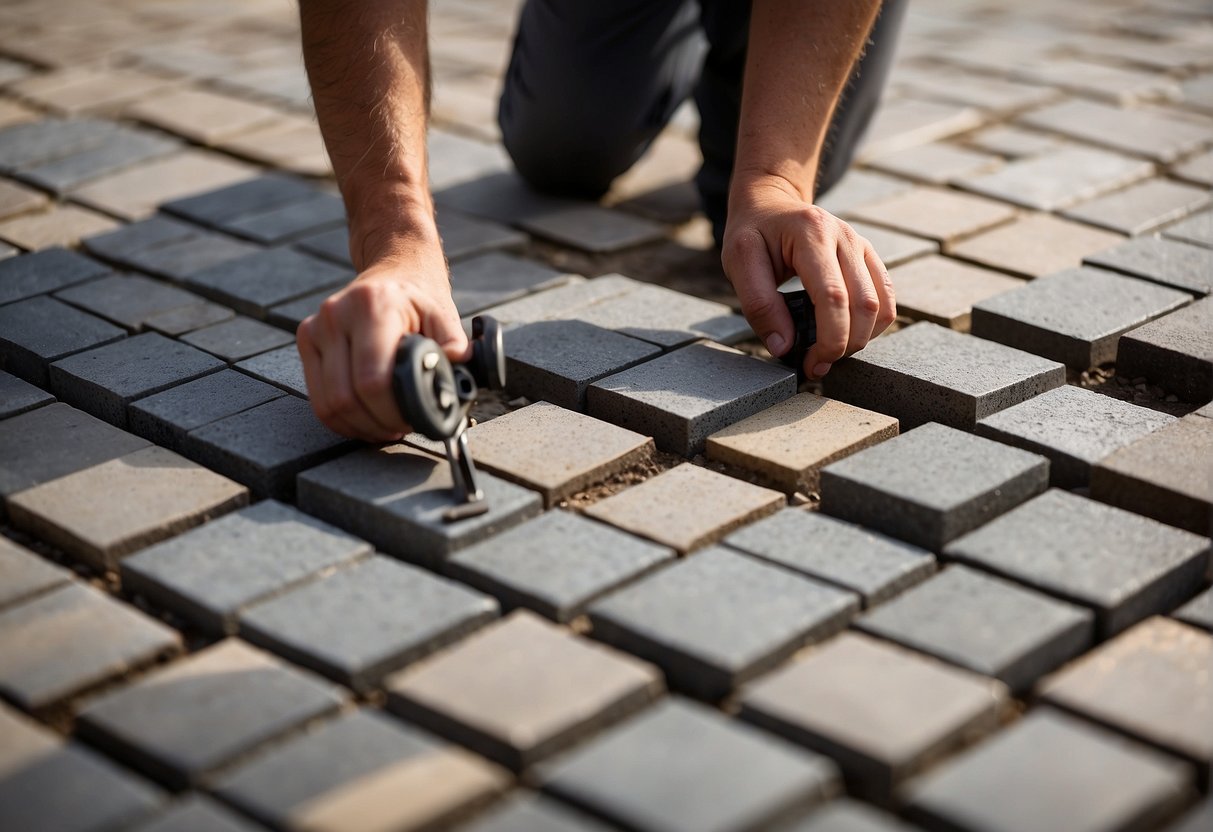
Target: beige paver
(13, 112)
(1035, 245)
(62, 225)
(18, 199)
(1155, 133)
(937, 163)
(204, 116)
(80, 89)
(292, 142)
(904, 122)
(135, 193)
(935, 213)
(943, 290)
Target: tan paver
(1035, 245)
(905, 122)
(943, 290)
(135, 193)
(80, 89)
(18, 199)
(936, 163)
(935, 213)
(13, 112)
(62, 225)
(292, 142)
(204, 116)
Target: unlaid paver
(1161, 135)
(209, 574)
(934, 213)
(1169, 262)
(685, 396)
(943, 290)
(522, 690)
(41, 330)
(165, 418)
(239, 338)
(1174, 351)
(255, 282)
(489, 279)
(1034, 245)
(181, 722)
(281, 367)
(1142, 207)
(24, 575)
(1197, 230)
(72, 639)
(18, 396)
(128, 300)
(391, 614)
(1058, 178)
(880, 712)
(664, 317)
(719, 618)
(680, 766)
(195, 813)
(44, 272)
(1101, 781)
(1199, 611)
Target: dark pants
(592, 82)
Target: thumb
(753, 278)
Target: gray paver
(927, 373)
(683, 397)
(281, 367)
(1174, 351)
(128, 300)
(28, 144)
(1156, 134)
(183, 721)
(165, 418)
(289, 315)
(1197, 820)
(719, 618)
(680, 766)
(1199, 611)
(188, 318)
(282, 223)
(1197, 230)
(1074, 316)
(848, 556)
(492, 278)
(391, 614)
(105, 380)
(180, 258)
(664, 317)
(238, 339)
(38, 331)
(71, 639)
(395, 497)
(209, 574)
(1100, 781)
(1168, 262)
(1141, 207)
(1074, 427)
(122, 149)
(985, 624)
(124, 244)
(563, 301)
(332, 245)
(1058, 178)
(533, 814)
(1124, 566)
(45, 271)
(253, 283)
(195, 813)
(18, 396)
(219, 206)
(464, 236)
(845, 815)
(24, 575)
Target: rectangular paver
(1035, 245)
(1169, 262)
(128, 300)
(1174, 351)
(1058, 178)
(489, 279)
(281, 367)
(255, 282)
(935, 213)
(44, 272)
(1142, 207)
(18, 396)
(1196, 229)
(38, 331)
(1198, 611)
(24, 574)
(165, 418)
(1156, 134)
(943, 290)
(664, 317)
(239, 338)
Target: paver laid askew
(24, 575)
(943, 290)
(1034, 245)
(1124, 566)
(179, 723)
(1058, 178)
(209, 574)
(1168, 262)
(165, 418)
(18, 396)
(36, 332)
(1174, 351)
(880, 712)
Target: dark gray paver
(180, 722)
(105, 380)
(1125, 566)
(361, 766)
(1174, 351)
(1171, 263)
(282, 223)
(238, 339)
(931, 485)
(255, 282)
(1074, 427)
(124, 244)
(667, 318)
(18, 396)
(522, 690)
(165, 418)
(719, 618)
(848, 556)
(281, 367)
(556, 564)
(680, 766)
(38, 331)
(266, 446)
(1197, 229)
(195, 813)
(395, 497)
(557, 361)
(128, 300)
(489, 279)
(928, 373)
(188, 318)
(45, 271)
(533, 813)
(289, 315)
(123, 148)
(845, 815)
(71, 639)
(209, 574)
(31, 143)
(1075, 316)
(683, 397)
(221, 205)
(880, 712)
(1199, 611)
(180, 258)
(391, 614)
(24, 575)
(984, 623)
(333, 245)
(1094, 780)
(464, 236)
(563, 301)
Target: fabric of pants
(591, 84)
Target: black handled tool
(434, 396)
(804, 323)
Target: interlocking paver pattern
(1035, 245)
(128, 300)
(1142, 207)
(45, 271)
(943, 290)
(1175, 351)
(255, 282)
(238, 339)
(165, 418)
(1169, 262)
(38, 331)
(1058, 178)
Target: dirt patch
(1104, 380)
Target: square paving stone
(1050, 771)
(238, 339)
(396, 496)
(266, 446)
(41, 330)
(128, 300)
(282, 223)
(522, 690)
(943, 291)
(183, 721)
(985, 624)
(563, 301)
(685, 396)
(178, 259)
(788, 444)
(719, 618)
(934, 213)
(105, 380)
(931, 485)
(686, 507)
(1197, 230)
(847, 556)
(71, 639)
(391, 614)
(1152, 683)
(533, 814)
(665, 317)
(556, 564)
(364, 769)
(591, 228)
(1169, 262)
(1058, 178)
(1199, 611)
(195, 813)
(165, 418)
(255, 282)
(1124, 566)
(557, 361)
(102, 513)
(1142, 207)
(209, 574)
(1161, 135)
(464, 236)
(220, 205)
(18, 396)
(45, 271)
(1164, 475)
(880, 712)
(680, 766)
(489, 279)
(1035, 245)
(1174, 351)
(24, 575)
(927, 373)
(1074, 427)
(557, 452)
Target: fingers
(884, 289)
(861, 294)
(747, 264)
(313, 373)
(446, 328)
(815, 259)
(372, 356)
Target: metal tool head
(488, 353)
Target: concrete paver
(1196, 229)
(943, 290)
(1142, 207)
(18, 396)
(24, 575)
(195, 813)
(238, 338)
(44, 272)
(1035, 245)
(936, 214)
(1174, 351)
(1157, 134)
(489, 279)
(1058, 178)
(255, 282)
(41, 330)
(166, 418)
(128, 300)
(1168, 262)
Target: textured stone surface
(1197, 230)
(926, 373)
(1034, 245)
(238, 339)
(1058, 178)
(255, 282)
(128, 300)
(1155, 134)
(1142, 207)
(848, 556)
(18, 396)
(984, 623)
(935, 213)
(135, 192)
(165, 418)
(23, 574)
(209, 574)
(41, 330)
(719, 618)
(591, 228)
(1199, 611)
(533, 814)
(62, 225)
(861, 187)
(464, 236)
(44, 272)
(845, 815)
(218, 206)
(664, 317)
(183, 250)
(282, 223)
(195, 813)
(189, 318)
(1174, 351)
(489, 279)
(281, 367)
(1169, 262)
(935, 163)
(680, 766)
(881, 712)
(187, 719)
(72, 639)
(685, 396)
(563, 301)
(943, 291)
(893, 246)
